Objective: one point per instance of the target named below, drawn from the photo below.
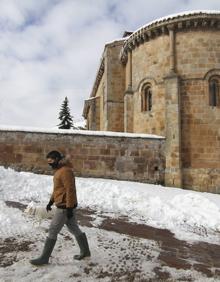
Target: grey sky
(50, 49)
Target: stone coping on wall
(78, 132)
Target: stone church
(164, 79)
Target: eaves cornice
(179, 22)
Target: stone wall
(150, 66)
(197, 52)
(110, 90)
(93, 122)
(117, 157)
(115, 85)
(200, 137)
(193, 144)
(197, 59)
(100, 117)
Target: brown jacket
(64, 191)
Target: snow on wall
(78, 132)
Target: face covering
(54, 165)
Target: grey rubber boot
(84, 247)
(48, 248)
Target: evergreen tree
(65, 116)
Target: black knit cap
(55, 155)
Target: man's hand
(48, 207)
(69, 213)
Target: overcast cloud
(50, 49)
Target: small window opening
(146, 99)
(213, 92)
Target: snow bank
(12, 222)
(175, 209)
(172, 208)
(24, 187)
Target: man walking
(65, 198)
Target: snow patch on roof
(118, 39)
(92, 98)
(177, 15)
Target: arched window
(214, 92)
(146, 98)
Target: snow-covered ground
(186, 213)
(189, 215)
